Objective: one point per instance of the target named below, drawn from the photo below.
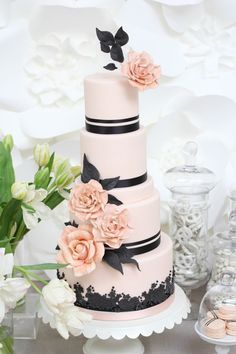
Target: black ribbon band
(141, 249)
(130, 182)
(138, 243)
(144, 249)
(111, 121)
(121, 129)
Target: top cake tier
(109, 96)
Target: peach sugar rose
(88, 200)
(141, 71)
(79, 249)
(111, 226)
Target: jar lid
(226, 241)
(190, 178)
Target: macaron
(212, 314)
(231, 328)
(227, 312)
(215, 328)
(227, 308)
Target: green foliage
(7, 175)
(42, 178)
(43, 266)
(8, 217)
(53, 199)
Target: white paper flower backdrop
(55, 47)
(49, 45)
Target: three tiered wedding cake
(120, 263)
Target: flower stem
(21, 231)
(34, 286)
(27, 276)
(36, 277)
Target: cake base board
(104, 334)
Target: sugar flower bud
(42, 154)
(19, 190)
(8, 142)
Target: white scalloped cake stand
(222, 346)
(115, 337)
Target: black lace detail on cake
(115, 302)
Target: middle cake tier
(121, 155)
(143, 204)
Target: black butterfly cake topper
(113, 44)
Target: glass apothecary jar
(190, 186)
(217, 313)
(224, 252)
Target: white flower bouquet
(22, 206)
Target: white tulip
(60, 165)
(6, 263)
(19, 190)
(71, 320)
(34, 208)
(11, 291)
(58, 309)
(64, 172)
(58, 294)
(35, 195)
(42, 154)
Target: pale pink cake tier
(135, 193)
(154, 266)
(130, 315)
(115, 155)
(144, 216)
(109, 96)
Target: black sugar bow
(91, 172)
(113, 45)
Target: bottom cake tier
(109, 295)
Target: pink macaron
(214, 328)
(231, 328)
(212, 314)
(227, 312)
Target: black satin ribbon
(141, 249)
(137, 243)
(121, 129)
(111, 121)
(131, 182)
(145, 249)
